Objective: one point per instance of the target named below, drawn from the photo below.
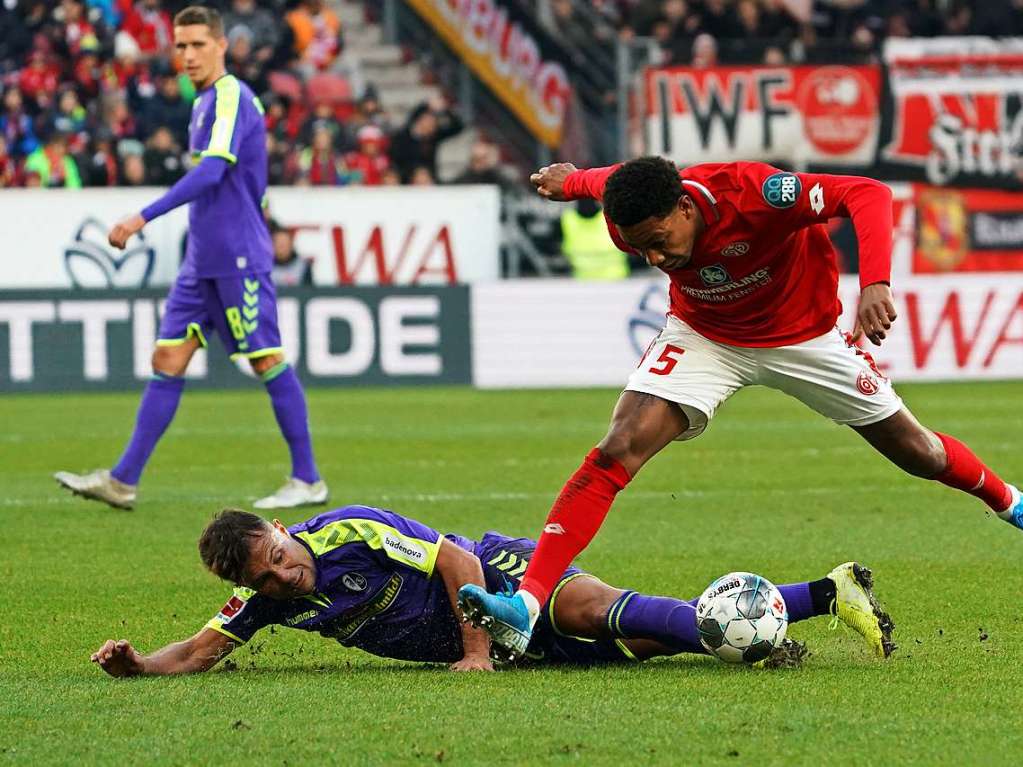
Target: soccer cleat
(504, 618)
(1014, 514)
(789, 654)
(857, 607)
(295, 493)
(99, 486)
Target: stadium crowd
(91, 97)
(709, 32)
(89, 94)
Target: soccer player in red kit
(753, 300)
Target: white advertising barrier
(558, 333)
(359, 236)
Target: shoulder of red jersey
(748, 185)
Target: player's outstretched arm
(199, 653)
(550, 181)
(457, 567)
(207, 174)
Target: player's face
(666, 243)
(279, 566)
(200, 52)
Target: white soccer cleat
(295, 493)
(99, 486)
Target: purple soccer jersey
(227, 235)
(376, 589)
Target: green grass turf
(770, 487)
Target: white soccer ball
(741, 618)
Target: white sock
(1007, 514)
(532, 606)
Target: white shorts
(826, 373)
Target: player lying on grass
(386, 584)
(753, 301)
(224, 284)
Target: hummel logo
(554, 529)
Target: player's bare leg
(304, 487)
(932, 455)
(642, 424)
(117, 487)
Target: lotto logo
(781, 190)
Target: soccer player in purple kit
(373, 579)
(224, 283)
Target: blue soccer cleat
(504, 618)
(1014, 515)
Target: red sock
(966, 472)
(576, 516)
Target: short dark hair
(642, 188)
(200, 14)
(225, 543)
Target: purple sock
(289, 406)
(669, 621)
(673, 622)
(159, 403)
(798, 601)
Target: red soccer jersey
(763, 272)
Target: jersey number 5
(667, 361)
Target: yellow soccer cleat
(857, 607)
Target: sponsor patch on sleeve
(781, 190)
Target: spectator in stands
(165, 106)
(242, 63)
(368, 111)
(109, 11)
(162, 159)
(718, 20)
(282, 167)
(421, 176)
(74, 27)
(8, 167)
(320, 163)
(258, 23)
(54, 165)
(100, 166)
(289, 269)
(40, 79)
(133, 169)
(150, 25)
(705, 51)
(117, 117)
(390, 177)
(89, 73)
(484, 166)
(68, 117)
(586, 246)
(416, 144)
(16, 125)
(369, 162)
(324, 119)
(15, 38)
(317, 34)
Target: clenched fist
(550, 180)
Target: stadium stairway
(398, 82)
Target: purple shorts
(243, 311)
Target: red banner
(971, 230)
(804, 114)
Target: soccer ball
(741, 618)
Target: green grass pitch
(770, 487)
